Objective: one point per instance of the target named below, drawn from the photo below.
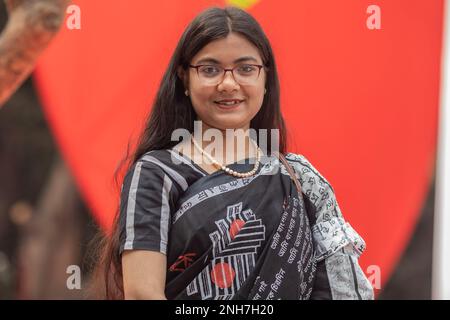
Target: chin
(230, 125)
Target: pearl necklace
(228, 170)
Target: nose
(228, 82)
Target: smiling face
(226, 53)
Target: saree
(238, 238)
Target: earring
(265, 91)
(186, 92)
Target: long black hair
(172, 110)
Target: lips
(228, 102)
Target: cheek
(256, 97)
(201, 99)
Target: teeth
(229, 103)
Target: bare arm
(144, 274)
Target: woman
(192, 225)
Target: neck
(231, 146)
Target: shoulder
(146, 165)
(154, 168)
(170, 163)
(307, 172)
(144, 175)
(331, 231)
(315, 187)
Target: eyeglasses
(245, 74)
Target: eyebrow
(212, 60)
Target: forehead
(228, 50)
